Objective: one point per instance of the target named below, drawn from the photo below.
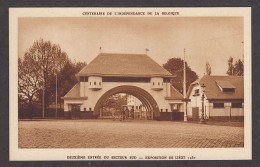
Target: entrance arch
(145, 97)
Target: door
(75, 111)
(195, 113)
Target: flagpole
(56, 91)
(184, 89)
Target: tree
(230, 70)
(208, 68)
(29, 82)
(115, 102)
(236, 69)
(38, 68)
(67, 79)
(175, 67)
(239, 68)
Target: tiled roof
(134, 65)
(175, 94)
(74, 93)
(212, 90)
(224, 84)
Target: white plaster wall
(197, 102)
(237, 111)
(226, 110)
(93, 79)
(158, 83)
(94, 95)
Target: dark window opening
(196, 92)
(90, 83)
(218, 105)
(236, 105)
(95, 83)
(136, 107)
(166, 80)
(85, 109)
(166, 110)
(126, 79)
(228, 90)
(158, 83)
(153, 83)
(83, 79)
(161, 110)
(90, 109)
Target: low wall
(171, 116)
(80, 115)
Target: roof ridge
(121, 54)
(223, 76)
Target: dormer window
(225, 86)
(228, 90)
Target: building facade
(134, 74)
(224, 98)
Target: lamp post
(202, 120)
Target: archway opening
(124, 106)
(147, 102)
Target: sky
(205, 39)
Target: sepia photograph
(131, 79)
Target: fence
(36, 112)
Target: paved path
(134, 134)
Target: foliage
(175, 67)
(230, 66)
(115, 102)
(208, 68)
(38, 69)
(66, 79)
(239, 68)
(236, 69)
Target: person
(126, 113)
(132, 113)
(123, 114)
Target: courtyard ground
(127, 134)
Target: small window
(196, 92)
(90, 83)
(90, 109)
(218, 105)
(158, 83)
(82, 79)
(161, 110)
(236, 105)
(153, 83)
(166, 110)
(95, 83)
(136, 107)
(85, 109)
(99, 83)
(228, 90)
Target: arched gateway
(135, 74)
(147, 100)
